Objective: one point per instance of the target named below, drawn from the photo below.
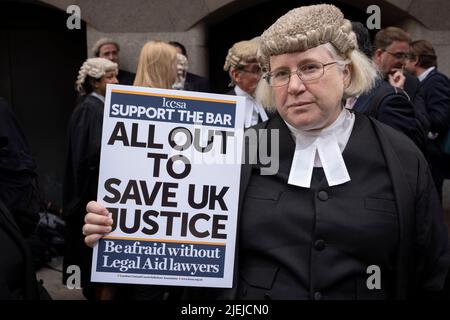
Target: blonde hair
(156, 66)
(363, 76)
(95, 68)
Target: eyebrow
(302, 62)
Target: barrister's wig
(94, 68)
(100, 43)
(241, 53)
(308, 27)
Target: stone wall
(133, 22)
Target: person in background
(182, 68)
(193, 82)
(17, 277)
(157, 66)
(109, 49)
(243, 68)
(387, 103)
(82, 163)
(391, 48)
(18, 177)
(422, 63)
(349, 193)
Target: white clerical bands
(330, 156)
(321, 149)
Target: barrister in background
(242, 66)
(422, 63)
(109, 49)
(193, 82)
(82, 162)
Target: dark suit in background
(394, 110)
(417, 95)
(126, 78)
(436, 88)
(196, 83)
(17, 277)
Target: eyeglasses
(399, 55)
(307, 72)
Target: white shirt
(252, 108)
(425, 73)
(321, 149)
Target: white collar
(100, 97)
(252, 108)
(425, 73)
(329, 144)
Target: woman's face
(100, 85)
(313, 104)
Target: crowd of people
(364, 150)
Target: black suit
(196, 83)
(436, 88)
(126, 78)
(300, 243)
(417, 95)
(17, 277)
(395, 110)
(17, 171)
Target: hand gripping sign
(169, 175)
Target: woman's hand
(97, 223)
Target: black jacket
(423, 254)
(395, 110)
(436, 88)
(81, 179)
(17, 277)
(126, 78)
(196, 83)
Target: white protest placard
(169, 174)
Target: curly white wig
(100, 43)
(241, 53)
(95, 68)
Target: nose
(295, 85)
(115, 81)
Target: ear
(347, 72)
(377, 55)
(236, 75)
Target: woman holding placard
(352, 211)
